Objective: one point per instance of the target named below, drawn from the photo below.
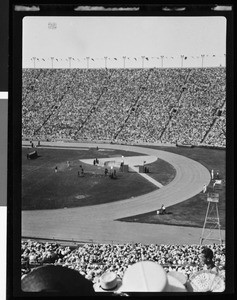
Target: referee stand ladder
(212, 229)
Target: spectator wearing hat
(108, 282)
(148, 276)
(116, 258)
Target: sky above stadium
(117, 42)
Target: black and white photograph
(123, 155)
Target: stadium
(103, 149)
(94, 218)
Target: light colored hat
(180, 276)
(108, 282)
(148, 276)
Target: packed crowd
(125, 105)
(92, 260)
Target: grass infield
(42, 188)
(192, 211)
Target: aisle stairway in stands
(179, 100)
(94, 105)
(132, 108)
(215, 120)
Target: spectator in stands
(57, 280)
(78, 107)
(206, 258)
(108, 282)
(92, 260)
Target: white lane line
(55, 148)
(147, 177)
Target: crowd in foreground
(92, 260)
(125, 105)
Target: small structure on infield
(211, 228)
(32, 155)
(124, 168)
(217, 184)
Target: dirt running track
(98, 223)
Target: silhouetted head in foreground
(57, 280)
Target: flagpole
(124, 59)
(52, 58)
(143, 61)
(105, 62)
(34, 58)
(162, 56)
(182, 57)
(69, 60)
(87, 59)
(202, 55)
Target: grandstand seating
(125, 105)
(92, 260)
